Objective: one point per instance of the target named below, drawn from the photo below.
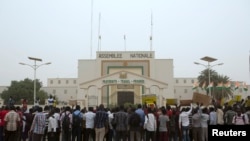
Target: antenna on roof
(151, 36)
(99, 36)
(91, 29)
(124, 41)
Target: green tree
(24, 89)
(219, 90)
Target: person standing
(12, 121)
(11, 102)
(204, 124)
(52, 125)
(239, 118)
(58, 128)
(184, 123)
(141, 113)
(196, 125)
(220, 115)
(5, 110)
(228, 116)
(121, 120)
(101, 120)
(77, 124)
(38, 125)
(134, 121)
(163, 124)
(150, 125)
(212, 116)
(89, 117)
(66, 124)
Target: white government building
(117, 77)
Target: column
(99, 92)
(161, 97)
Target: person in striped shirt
(38, 125)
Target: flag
(210, 85)
(227, 85)
(219, 85)
(203, 86)
(245, 86)
(236, 86)
(124, 37)
(195, 85)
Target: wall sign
(123, 81)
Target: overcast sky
(59, 31)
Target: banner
(237, 98)
(248, 102)
(201, 98)
(149, 99)
(185, 102)
(171, 101)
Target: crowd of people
(140, 123)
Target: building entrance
(125, 97)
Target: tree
(220, 88)
(204, 78)
(24, 89)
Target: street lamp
(35, 67)
(208, 66)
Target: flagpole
(151, 36)
(99, 36)
(91, 31)
(125, 42)
(249, 64)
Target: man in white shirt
(89, 117)
(150, 125)
(184, 123)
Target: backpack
(66, 122)
(135, 120)
(77, 120)
(243, 118)
(113, 122)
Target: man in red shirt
(3, 112)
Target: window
(74, 81)
(192, 81)
(185, 81)
(185, 90)
(175, 91)
(76, 91)
(65, 91)
(51, 81)
(177, 81)
(67, 81)
(54, 91)
(59, 81)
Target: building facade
(118, 77)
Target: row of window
(184, 81)
(74, 81)
(65, 91)
(59, 81)
(186, 90)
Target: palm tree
(203, 78)
(219, 90)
